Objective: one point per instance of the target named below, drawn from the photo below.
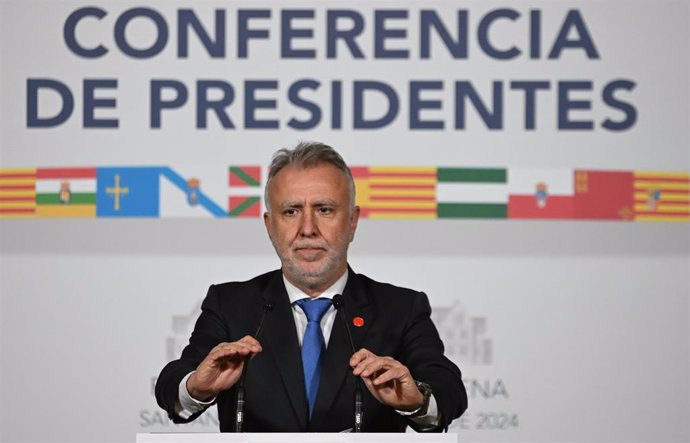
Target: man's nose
(309, 226)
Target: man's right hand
(221, 368)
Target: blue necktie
(313, 345)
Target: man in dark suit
(301, 371)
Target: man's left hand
(388, 380)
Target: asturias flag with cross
(128, 192)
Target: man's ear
(267, 224)
(354, 218)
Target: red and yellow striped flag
(396, 192)
(17, 192)
(662, 196)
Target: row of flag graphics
(382, 192)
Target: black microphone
(239, 402)
(359, 411)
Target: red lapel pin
(358, 321)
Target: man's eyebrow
(316, 203)
(324, 202)
(291, 204)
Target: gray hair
(307, 155)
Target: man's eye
(325, 210)
(290, 211)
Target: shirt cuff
(188, 405)
(431, 419)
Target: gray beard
(310, 280)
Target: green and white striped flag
(472, 193)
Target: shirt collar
(296, 294)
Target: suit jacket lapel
(336, 360)
(280, 334)
(357, 304)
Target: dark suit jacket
(397, 323)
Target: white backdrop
(569, 331)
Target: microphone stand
(239, 401)
(359, 410)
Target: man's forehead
(323, 184)
(325, 175)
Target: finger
(232, 350)
(372, 366)
(373, 390)
(250, 341)
(398, 374)
(359, 356)
(245, 342)
(228, 350)
(369, 385)
(363, 359)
